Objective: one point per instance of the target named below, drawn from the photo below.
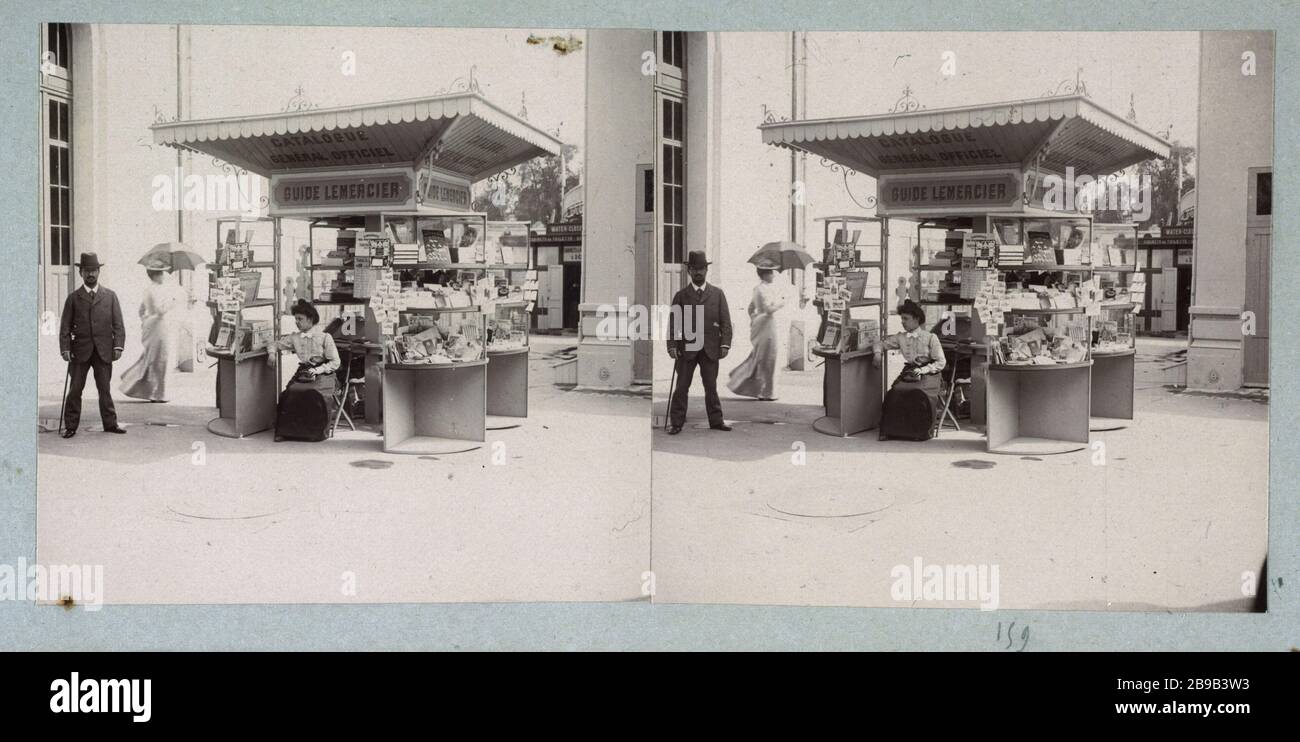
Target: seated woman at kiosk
(902, 416)
(307, 403)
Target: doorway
(1184, 298)
(1259, 250)
(572, 294)
(1259, 247)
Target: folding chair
(341, 395)
(951, 384)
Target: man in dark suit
(91, 337)
(691, 345)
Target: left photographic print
(309, 318)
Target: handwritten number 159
(1011, 637)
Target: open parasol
(172, 256)
(781, 256)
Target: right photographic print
(961, 320)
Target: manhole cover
(814, 504)
(241, 505)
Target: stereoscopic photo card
(1047, 385)
(265, 247)
(963, 319)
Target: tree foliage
(1165, 190)
(531, 192)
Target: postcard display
(448, 310)
(1016, 254)
(394, 181)
(852, 316)
(1114, 329)
(1035, 301)
(247, 387)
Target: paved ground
(563, 516)
(1173, 517)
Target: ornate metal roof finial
(770, 117)
(1132, 112)
(299, 102)
(523, 105)
(462, 84)
(907, 103)
(1069, 87)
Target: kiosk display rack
(507, 374)
(853, 315)
(998, 173)
(990, 263)
(1114, 350)
(432, 250)
(435, 384)
(247, 386)
(394, 179)
(432, 321)
(1038, 383)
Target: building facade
(618, 218)
(108, 188)
(1228, 338)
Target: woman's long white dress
(756, 375)
(160, 322)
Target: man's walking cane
(672, 381)
(67, 374)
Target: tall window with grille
(667, 194)
(672, 54)
(673, 161)
(56, 163)
(58, 217)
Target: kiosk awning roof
(1077, 133)
(471, 136)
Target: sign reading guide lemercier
(344, 189)
(983, 190)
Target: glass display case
(1114, 246)
(1113, 331)
(1037, 382)
(436, 336)
(507, 243)
(507, 328)
(1044, 337)
(1052, 242)
(936, 275)
(1114, 352)
(454, 240)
